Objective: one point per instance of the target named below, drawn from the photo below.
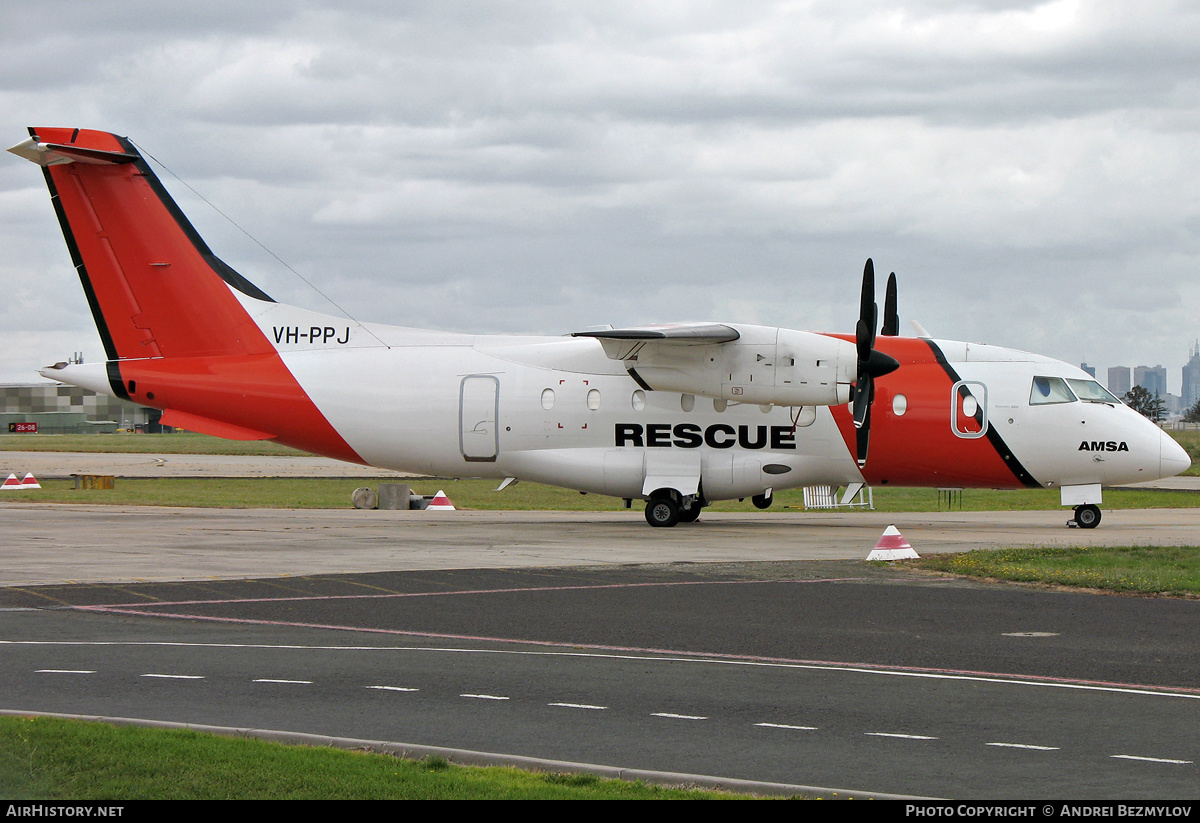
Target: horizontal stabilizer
(213, 428)
(56, 154)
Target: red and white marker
(892, 546)
(30, 482)
(440, 503)
(11, 484)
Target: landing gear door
(674, 469)
(968, 409)
(478, 407)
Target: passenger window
(1048, 390)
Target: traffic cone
(441, 503)
(892, 546)
(30, 482)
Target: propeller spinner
(872, 363)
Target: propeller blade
(871, 362)
(867, 311)
(891, 320)
(862, 434)
(862, 400)
(862, 440)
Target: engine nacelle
(782, 367)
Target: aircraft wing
(741, 364)
(626, 344)
(679, 333)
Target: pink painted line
(451, 594)
(711, 656)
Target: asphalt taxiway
(50, 543)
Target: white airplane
(676, 415)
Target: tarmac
(62, 543)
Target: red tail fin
(154, 286)
(176, 336)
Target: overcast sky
(1028, 169)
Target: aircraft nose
(1172, 458)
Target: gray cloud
(542, 166)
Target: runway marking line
(513, 590)
(579, 706)
(175, 676)
(64, 671)
(902, 736)
(1025, 746)
(677, 716)
(786, 726)
(1151, 759)
(711, 657)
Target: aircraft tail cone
(30, 482)
(892, 546)
(441, 503)
(11, 483)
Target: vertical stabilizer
(176, 335)
(154, 287)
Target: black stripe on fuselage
(1010, 459)
(113, 368)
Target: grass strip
(1173, 570)
(177, 443)
(45, 758)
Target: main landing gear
(665, 509)
(1086, 517)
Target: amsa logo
(1103, 446)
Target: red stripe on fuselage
(919, 447)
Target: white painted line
(484, 696)
(1029, 634)
(1025, 746)
(65, 671)
(269, 680)
(1151, 759)
(393, 688)
(1007, 680)
(176, 676)
(579, 706)
(902, 736)
(785, 726)
(678, 716)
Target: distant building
(59, 409)
(1190, 392)
(1152, 379)
(1091, 370)
(1118, 380)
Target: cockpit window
(1090, 391)
(1050, 390)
